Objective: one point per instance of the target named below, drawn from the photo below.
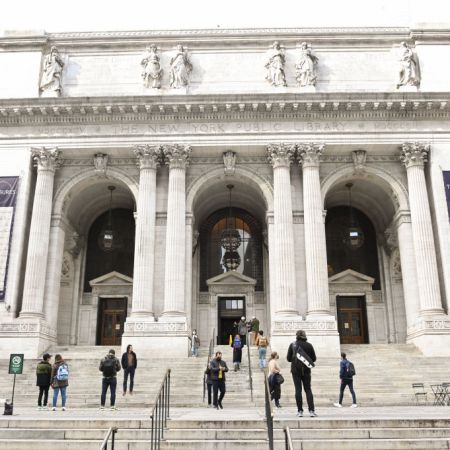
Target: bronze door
(112, 319)
(351, 320)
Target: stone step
(216, 444)
(50, 444)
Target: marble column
(148, 157)
(47, 161)
(315, 241)
(414, 156)
(283, 263)
(177, 157)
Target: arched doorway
(367, 298)
(82, 306)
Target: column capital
(46, 159)
(280, 155)
(148, 156)
(177, 155)
(414, 154)
(309, 154)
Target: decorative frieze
(155, 328)
(292, 326)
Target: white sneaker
(102, 407)
(300, 414)
(354, 405)
(338, 405)
(53, 409)
(63, 408)
(39, 408)
(114, 408)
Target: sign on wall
(8, 195)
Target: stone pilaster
(47, 161)
(177, 157)
(315, 241)
(283, 270)
(414, 156)
(148, 157)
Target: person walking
(43, 380)
(346, 373)
(60, 381)
(262, 342)
(301, 355)
(209, 383)
(218, 369)
(129, 365)
(109, 366)
(275, 379)
(195, 343)
(242, 330)
(254, 324)
(237, 352)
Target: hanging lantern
(353, 235)
(107, 238)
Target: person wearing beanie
(43, 380)
(109, 366)
(299, 351)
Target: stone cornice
(348, 106)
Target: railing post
(152, 435)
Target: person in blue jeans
(60, 381)
(129, 365)
(109, 366)
(262, 342)
(346, 380)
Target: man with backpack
(346, 373)
(60, 381)
(262, 342)
(109, 365)
(301, 355)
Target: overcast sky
(101, 15)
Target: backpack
(263, 341)
(301, 359)
(350, 369)
(62, 373)
(109, 367)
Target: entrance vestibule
(230, 310)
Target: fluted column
(315, 241)
(414, 156)
(47, 161)
(177, 157)
(283, 270)
(148, 157)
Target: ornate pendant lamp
(107, 238)
(354, 236)
(230, 241)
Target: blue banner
(8, 195)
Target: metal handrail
(160, 412)
(250, 375)
(110, 433)
(288, 439)
(269, 411)
(210, 353)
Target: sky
(120, 15)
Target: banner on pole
(8, 195)
(447, 189)
(15, 363)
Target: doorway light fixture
(230, 240)
(107, 238)
(353, 235)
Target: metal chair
(439, 394)
(419, 393)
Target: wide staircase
(384, 377)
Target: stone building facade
(321, 152)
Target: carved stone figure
(409, 70)
(359, 159)
(305, 69)
(100, 163)
(151, 67)
(180, 68)
(275, 66)
(52, 73)
(229, 161)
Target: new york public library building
(156, 182)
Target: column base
(30, 336)
(321, 332)
(150, 338)
(431, 335)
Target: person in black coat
(218, 368)
(129, 365)
(301, 374)
(43, 380)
